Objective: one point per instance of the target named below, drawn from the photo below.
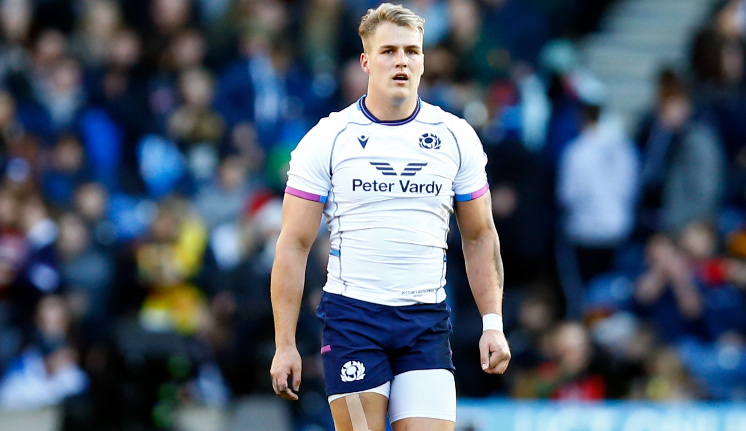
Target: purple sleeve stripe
(305, 195)
(326, 348)
(472, 196)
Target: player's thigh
(360, 412)
(423, 399)
(423, 424)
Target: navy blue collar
(361, 106)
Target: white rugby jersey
(388, 189)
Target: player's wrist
(492, 321)
(285, 344)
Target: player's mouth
(401, 77)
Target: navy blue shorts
(364, 345)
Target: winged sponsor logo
(409, 171)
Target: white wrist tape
(492, 321)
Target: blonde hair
(396, 14)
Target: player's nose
(400, 58)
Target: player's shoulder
(337, 121)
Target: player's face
(394, 61)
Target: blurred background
(143, 152)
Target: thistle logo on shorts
(430, 141)
(352, 370)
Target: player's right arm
(300, 224)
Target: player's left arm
(484, 268)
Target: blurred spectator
(17, 17)
(13, 254)
(39, 275)
(101, 21)
(516, 32)
(597, 181)
(723, 302)
(717, 51)
(568, 375)
(194, 122)
(196, 127)
(47, 371)
(718, 59)
(625, 345)
(465, 29)
(15, 24)
(223, 200)
(688, 290)
(119, 87)
(354, 82)
(269, 88)
(537, 314)
(166, 263)
(12, 242)
(62, 93)
(321, 34)
(559, 58)
(10, 129)
(668, 378)
(683, 162)
(165, 20)
(92, 205)
(162, 166)
(88, 273)
(67, 171)
(666, 290)
(188, 50)
(436, 86)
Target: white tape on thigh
(423, 394)
(357, 414)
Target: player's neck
(387, 111)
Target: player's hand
(494, 352)
(285, 364)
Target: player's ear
(364, 63)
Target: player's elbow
(484, 238)
(289, 244)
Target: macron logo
(409, 171)
(363, 140)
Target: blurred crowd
(647, 234)
(143, 151)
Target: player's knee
(423, 424)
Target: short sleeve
(308, 176)
(471, 179)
